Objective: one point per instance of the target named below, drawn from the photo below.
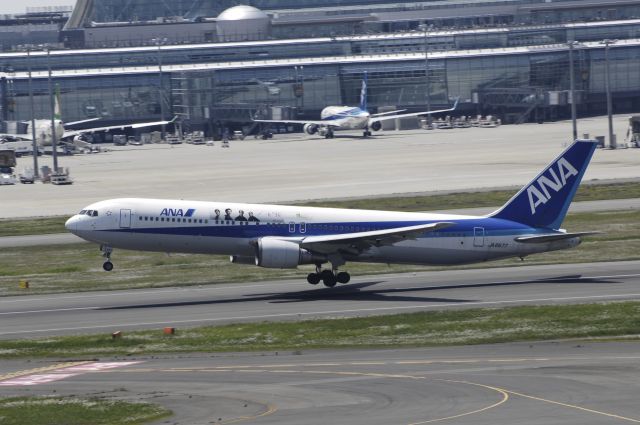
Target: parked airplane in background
(287, 236)
(44, 128)
(334, 118)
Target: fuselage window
(140, 218)
(206, 221)
(173, 220)
(157, 219)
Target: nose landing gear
(106, 253)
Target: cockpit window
(82, 212)
(95, 213)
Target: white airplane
(276, 236)
(333, 118)
(44, 128)
(44, 132)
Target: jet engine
(310, 128)
(376, 126)
(279, 254)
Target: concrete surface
(299, 167)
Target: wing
(412, 114)
(322, 123)
(14, 137)
(71, 133)
(552, 237)
(361, 241)
(387, 113)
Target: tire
(313, 278)
(343, 277)
(328, 278)
(107, 266)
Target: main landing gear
(106, 253)
(366, 133)
(329, 277)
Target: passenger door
(125, 219)
(478, 236)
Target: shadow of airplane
(365, 291)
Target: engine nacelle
(376, 126)
(310, 128)
(279, 254)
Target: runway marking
(48, 311)
(573, 406)
(505, 398)
(260, 285)
(274, 369)
(270, 410)
(20, 373)
(57, 373)
(319, 313)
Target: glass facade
(505, 82)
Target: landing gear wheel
(343, 277)
(328, 278)
(107, 266)
(313, 278)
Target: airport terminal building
(216, 64)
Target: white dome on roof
(243, 23)
(242, 12)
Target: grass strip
(74, 268)
(76, 411)
(424, 329)
(494, 198)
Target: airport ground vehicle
(7, 164)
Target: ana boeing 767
(276, 236)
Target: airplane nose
(71, 224)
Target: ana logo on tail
(540, 195)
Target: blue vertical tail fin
(363, 93)
(544, 201)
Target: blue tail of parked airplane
(363, 93)
(543, 203)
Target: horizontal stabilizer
(552, 237)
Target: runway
(560, 383)
(61, 314)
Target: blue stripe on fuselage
(237, 229)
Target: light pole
(427, 80)
(53, 115)
(159, 42)
(572, 84)
(33, 119)
(607, 77)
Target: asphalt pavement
(558, 383)
(109, 311)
